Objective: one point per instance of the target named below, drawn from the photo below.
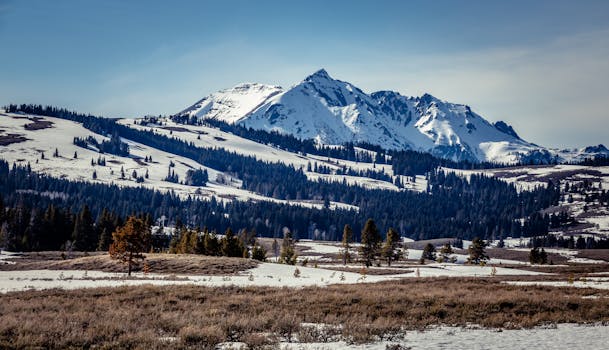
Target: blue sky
(542, 66)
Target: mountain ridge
(333, 111)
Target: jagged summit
(334, 112)
(319, 74)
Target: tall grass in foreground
(200, 317)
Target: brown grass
(159, 263)
(596, 254)
(510, 254)
(149, 317)
(564, 270)
(375, 271)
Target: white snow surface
(265, 274)
(590, 282)
(60, 136)
(207, 137)
(561, 336)
(232, 104)
(334, 112)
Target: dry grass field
(159, 263)
(184, 317)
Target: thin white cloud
(555, 93)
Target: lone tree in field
(477, 255)
(446, 254)
(288, 252)
(276, 249)
(371, 239)
(391, 250)
(429, 252)
(347, 239)
(258, 252)
(130, 241)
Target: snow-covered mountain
(232, 104)
(334, 112)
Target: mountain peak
(320, 74)
(428, 98)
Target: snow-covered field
(561, 336)
(589, 282)
(266, 274)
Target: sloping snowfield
(206, 137)
(60, 137)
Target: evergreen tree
(477, 254)
(275, 248)
(370, 241)
(84, 235)
(288, 251)
(391, 248)
(346, 244)
(106, 224)
(188, 241)
(501, 243)
(211, 243)
(130, 241)
(537, 256)
(59, 228)
(230, 245)
(446, 254)
(429, 252)
(258, 252)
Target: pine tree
(446, 254)
(371, 240)
(230, 245)
(346, 244)
(501, 243)
(84, 235)
(429, 252)
(188, 241)
(106, 224)
(275, 248)
(130, 241)
(390, 249)
(537, 256)
(543, 257)
(258, 252)
(288, 252)
(212, 246)
(477, 254)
